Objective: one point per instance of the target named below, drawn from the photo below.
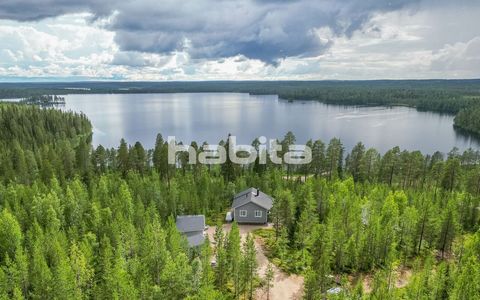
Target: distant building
(193, 227)
(251, 206)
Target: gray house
(193, 228)
(251, 206)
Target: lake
(211, 116)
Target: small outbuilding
(193, 227)
(251, 206)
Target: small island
(44, 100)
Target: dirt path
(285, 287)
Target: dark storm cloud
(33, 10)
(267, 30)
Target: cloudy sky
(238, 39)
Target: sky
(157, 40)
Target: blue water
(211, 116)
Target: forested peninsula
(84, 222)
(443, 96)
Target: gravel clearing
(285, 287)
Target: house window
(243, 213)
(258, 214)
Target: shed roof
(191, 223)
(195, 239)
(252, 195)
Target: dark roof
(195, 239)
(252, 195)
(191, 223)
(243, 193)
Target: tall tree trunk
(478, 185)
(452, 181)
(444, 243)
(421, 233)
(391, 176)
(251, 283)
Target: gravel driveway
(285, 287)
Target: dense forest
(83, 222)
(468, 119)
(445, 96)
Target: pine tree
(197, 274)
(207, 272)
(283, 211)
(83, 273)
(318, 158)
(41, 275)
(288, 140)
(21, 273)
(220, 257)
(154, 250)
(234, 257)
(122, 157)
(250, 264)
(321, 248)
(354, 163)
(119, 281)
(448, 227)
(269, 277)
(10, 235)
(176, 277)
(228, 168)
(64, 280)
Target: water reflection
(211, 116)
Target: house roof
(252, 195)
(195, 239)
(191, 223)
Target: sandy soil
(403, 275)
(402, 278)
(285, 287)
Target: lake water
(211, 116)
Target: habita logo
(241, 154)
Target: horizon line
(47, 81)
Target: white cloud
(59, 47)
(460, 57)
(429, 43)
(399, 45)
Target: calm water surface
(211, 116)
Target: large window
(243, 213)
(258, 214)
